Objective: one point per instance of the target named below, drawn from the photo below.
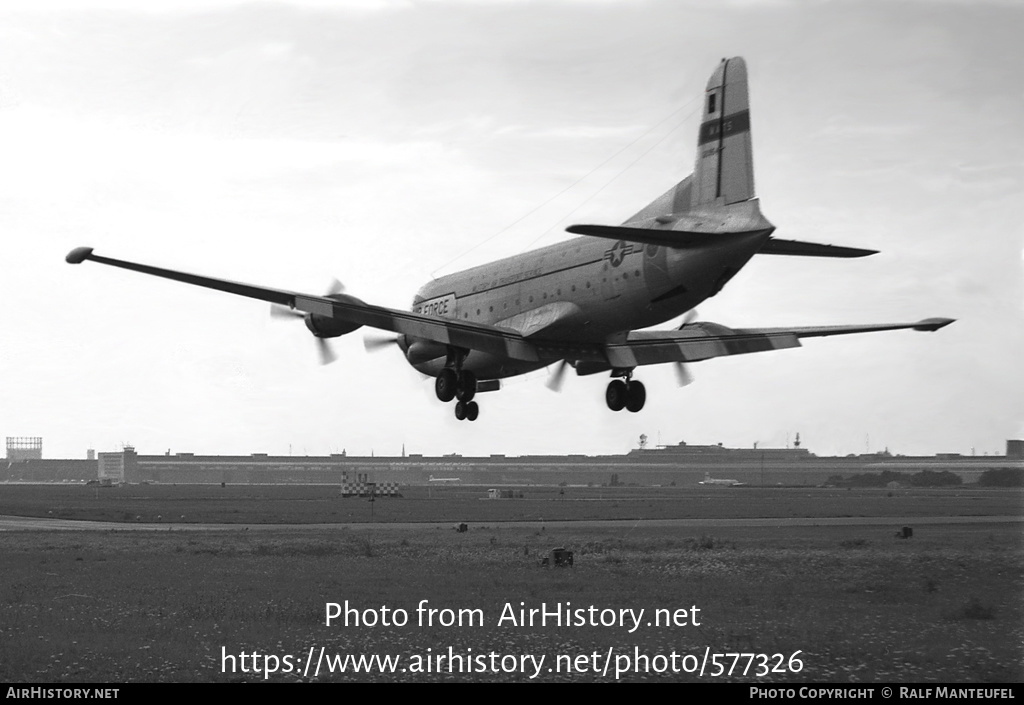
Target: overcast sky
(385, 142)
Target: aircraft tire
(636, 395)
(460, 410)
(446, 384)
(465, 390)
(472, 410)
(616, 394)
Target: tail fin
(724, 172)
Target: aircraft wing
(463, 334)
(704, 340)
(696, 341)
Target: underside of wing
(460, 334)
(929, 325)
(702, 341)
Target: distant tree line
(925, 478)
(993, 477)
(1002, 477)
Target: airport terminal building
(680, 464)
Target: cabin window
(636, 273)
(588, 285)
(574, 287)
(478, 312)
(711, 103)
(625, 275)
(492, 309)
(559, 292)
(531, 299)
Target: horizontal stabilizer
(799, 248)
(680, 239)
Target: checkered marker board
(380, 489)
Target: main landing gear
(629, 394)
(459, 385)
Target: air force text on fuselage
(442, 306)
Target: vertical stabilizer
(724, 172)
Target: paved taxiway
(14, 523)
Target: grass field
(857, 603)
(322, 504)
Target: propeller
(279, 311)
(683, 375)
(376, 343)
(557, 377)
(326, 353)
(336, 287)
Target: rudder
(724, 172)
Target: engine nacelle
(328, 327)
(419, 351)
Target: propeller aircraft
(583, 303)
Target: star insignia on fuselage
(617, 253)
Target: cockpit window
(711, 103)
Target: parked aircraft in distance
(581, 303)
(444, 480)
(708, 480)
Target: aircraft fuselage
(584, 289)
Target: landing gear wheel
(446, 384)
(465, 390)
(636, 395)
(472, 410)
(460, 410)
(616, 394)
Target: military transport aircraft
(581, 302)
(708, 480)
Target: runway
(15, 523)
